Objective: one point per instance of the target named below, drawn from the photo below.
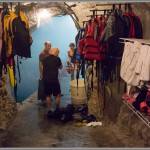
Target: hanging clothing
(135, 65)
(127, 58)
(143, 65)
(109, 29)
(134, 78)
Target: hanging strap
(18, 11)
(125, 87)
(114, 6)
(5, 6)
(98, 74)
(77, 76)
(84, 73)
(118, 76)
(119, 6)
(18, 68)
(104, 98)
(92, 75)
(96, 29)
(125, 7)
(15, 92)
(11, 5)
(15, 87)
(129, 7)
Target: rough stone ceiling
(78, 9)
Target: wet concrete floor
(32, 129)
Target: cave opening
(60, 30)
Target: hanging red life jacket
(91, 49)
(90, 28)
(81, 46)
(86, 29)
(137, 25)
(129, 22)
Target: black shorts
(52, 88)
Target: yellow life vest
(12, 77)
(8, 34)
(8, 29)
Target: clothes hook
(114, 6)
(104, 13)
(119, 6)
(129, 7)
(18, 8)
(125, 7)
(93, 13)
(5, 6)
(11, 5)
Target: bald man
(44, 54)
(51, 66)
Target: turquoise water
(60, 31)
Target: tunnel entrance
(60, 31)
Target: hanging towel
(145, 70)
(134, 78)
(127, 58)
(142, 58)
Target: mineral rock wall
(114, 108)
(8, 105)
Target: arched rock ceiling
(81, 10)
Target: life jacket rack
(114, 7)
(142, 116)
(94, 12)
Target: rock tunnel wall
(118, 116)
(115, 112)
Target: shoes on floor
(49, 114)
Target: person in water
(51, 66)
(72, 60)
(43, 54)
